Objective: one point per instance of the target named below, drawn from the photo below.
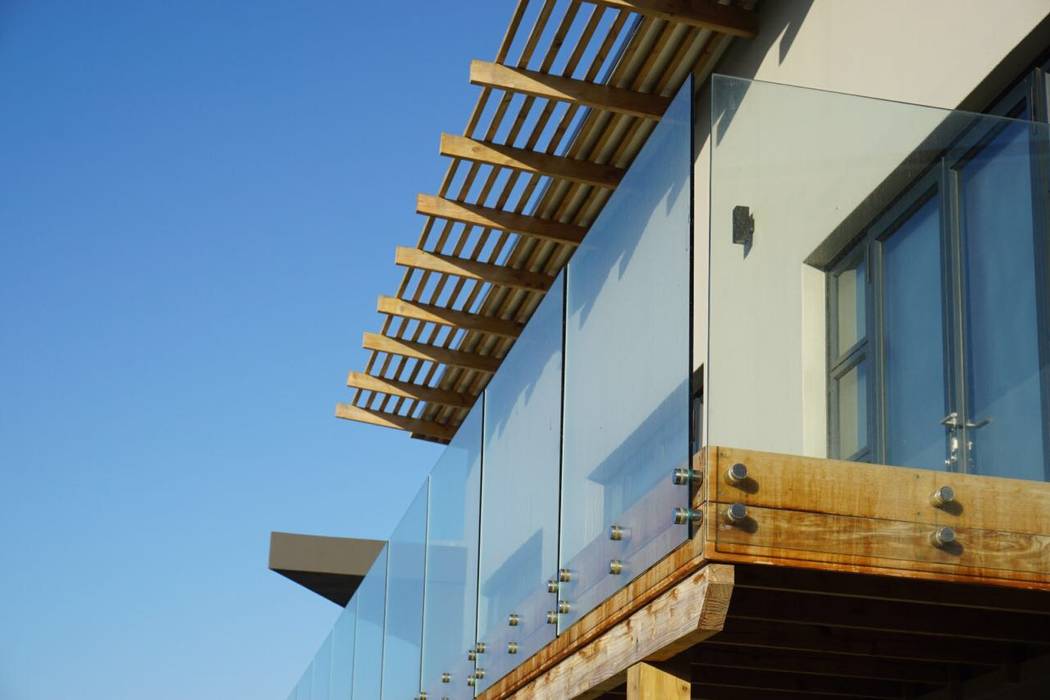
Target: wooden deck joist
(429, 313)
(430, 429)
(410, 390)
(430, 353)
(473, 270)
(554, 87)
(487, 217)
(703, 14)
(527, 161)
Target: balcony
(785, 412)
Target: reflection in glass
(322, 674)
(850, 287)
(371, 616)
(853, 411)
(343, 652)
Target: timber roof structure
(574, 92)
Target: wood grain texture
(433, 430)
(553, 87)
(688, 613)
(487, 217)
(473, 270)
(704, 14)
(526, 161)
(648, 682)
(360, 380)
(431, 313)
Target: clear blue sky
(199, 203)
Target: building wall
(765, 387)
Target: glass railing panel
(519, 514)
(371, 618)
(627, 369)
(451, 590)
(403, 635)
(343, 635)
(322, 671)
(879, 282)
(304, 691)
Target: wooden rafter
(410, 390)
(703, 14)
(553, 87)
(430, 429)
(527, 161)
(432, 313)
(473, 270)
(488, 217)
(430, 353)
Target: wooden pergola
(552, 133)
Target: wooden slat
(431, 353)
(473, 270)
(648, 682)
(488, 217)
(705, 14)
(430, 429)
(410, 390)
(527, 161)
(619, 100)
(448, 317)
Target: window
(938, 352)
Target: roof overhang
(331, 567)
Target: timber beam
(473, 270)
(448, 317)
(554, 87)
(429, 429)
(487, 217)
(524, 160)
(431, 353)
(703, 14)
(408, 390)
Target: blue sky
(199, 204)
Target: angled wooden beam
(473, 270)
(448, 317)
(487, 217)
(409, 390)
(431, 353)
(522, 159)
(553, 87)
(705, 14)
(648, 682)
(430, 429)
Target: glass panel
(959, 323)
(305, 690)
(850, 286)
(519, 514)
(371, 615)
(853, 411)
(450, 609)
(914, 341)
(627, 368)
(322, 674)
(343, 652)
(1005, 401)
(403, 636)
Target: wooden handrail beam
(527, 161)
(431, 353)
(705, 14)
(554, 87)
(430, 429)
(477, 215)
(473, 270)
(408, 390)
(448, 317)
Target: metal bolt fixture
(513, 619)
(615, 566)
(552, 617)
(472, 655)
(479, 673)
(736, 513)
(552, 586)
(943, 537)
(470, 681)
(736, 474)
(943, 496)
(616, 533)
(563, 607)
(446, 677)
(512, 647)
(686, 515)
(422, 696)
(480, 647)
(564, 575)
(681, 476)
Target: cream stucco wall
(802, 163)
